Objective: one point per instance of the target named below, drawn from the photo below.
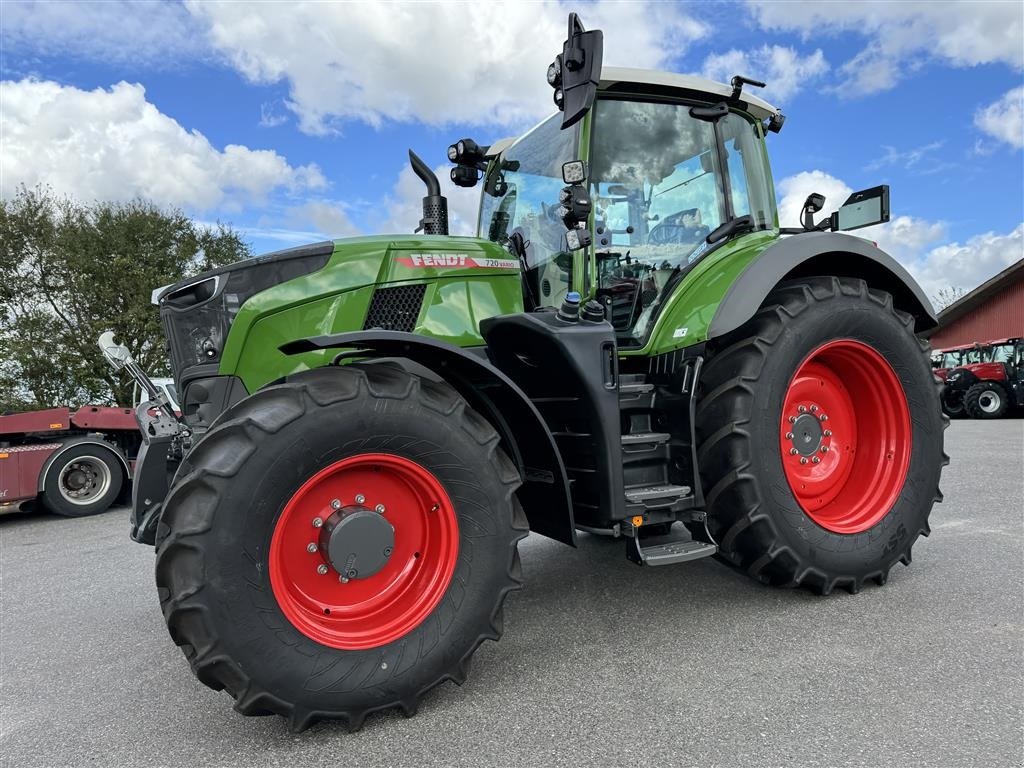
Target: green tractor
(631, 347)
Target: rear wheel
(83, 480)
(986, 400)
(820, 438)
(339, 544)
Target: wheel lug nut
(803, 460)
(802, 409)
(311, 547)
(317, 522)
(823, 417)
(792, 419)
(379, 509)
(360, 498)
(827, 433)
(814, 409)
(793, 451)
(321, 569)
(335, 504)
(343, 579)
(815, 460)
(789, 435)
(824, 449)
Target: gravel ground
(602, 663)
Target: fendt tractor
(631, 347)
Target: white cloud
(151, 33)
(905, 158)
(330, 219)
(970, 264)
(903, 36)
(783, 69)
(115, 145)
(1004, 119)
(912, 241)
(438, 63)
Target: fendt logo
(422, 260)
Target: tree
(946, 296)
(69, 271)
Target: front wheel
(986, 400)
(339, 544)
(820, 438)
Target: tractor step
(646, 438)
(660, 552)
(635, 388)
(654, 493)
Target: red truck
(74, 462)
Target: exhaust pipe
(435, 205)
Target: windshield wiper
(727, 228)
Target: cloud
(330, 219)
(970, 264)
(1004, 119)
(783, 69)
(902, 37)
(115, 145)
(152, 33)
(913, 242)
(906, 159)
(437, 63)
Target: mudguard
(524, 435)
(819, 253)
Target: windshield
(521, 196)
(1002, 353)
(660, 185)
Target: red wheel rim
(374, 610)
(845, 436)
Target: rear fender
(524, 435)
(819, 253)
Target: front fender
(819, 253)
(524, 435)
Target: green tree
(69, 271)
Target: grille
(395, 308)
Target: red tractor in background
(986, 388)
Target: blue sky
(291, 121)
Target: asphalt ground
(602, 662)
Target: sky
(291, 121)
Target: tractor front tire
(820, 438)
(339, 544)
(986, 400)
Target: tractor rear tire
(266, 608)
(986, 400)
(820, 437)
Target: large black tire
(986, 400)
(953, 403)
(752, 512)
(216, 527)
(83, 480)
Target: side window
(748, 181)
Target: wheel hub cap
(357, 541)
(807, 433)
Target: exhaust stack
(435, 205)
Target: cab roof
(615, 77)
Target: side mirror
(576, 70)
(116, 354)
(862, 209)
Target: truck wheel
(83, 480)
(820, 438)
(986, 400)
(339, 544)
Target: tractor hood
(330, 287)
